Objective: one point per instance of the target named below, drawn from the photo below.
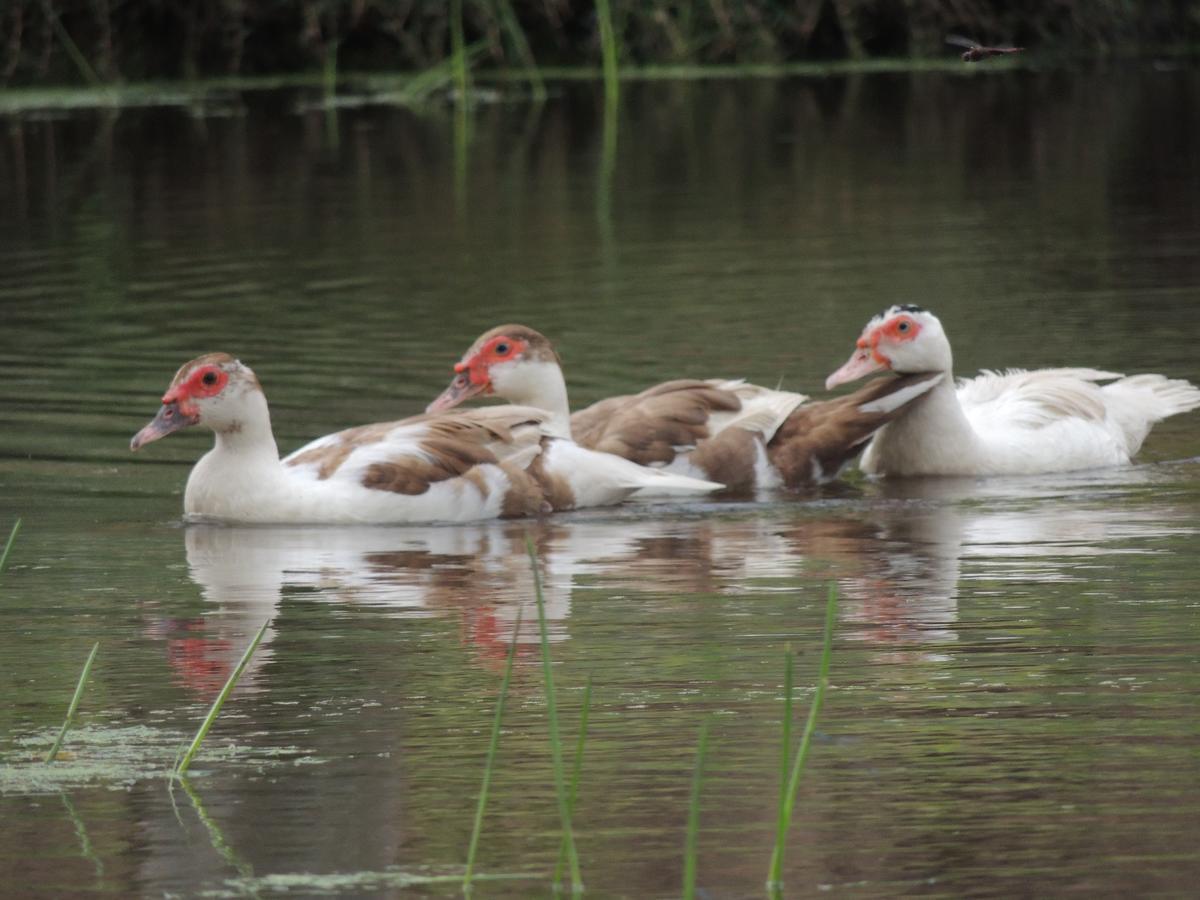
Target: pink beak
(171, 418)
(460, 388)
(862, 362)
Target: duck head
(212, 390)
(902, 339)
(511, 361)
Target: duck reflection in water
(898, 551)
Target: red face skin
(474, 372)
(179, 409)
(869, 357)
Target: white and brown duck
(476, 464)
(1015, 422)
(738, 434)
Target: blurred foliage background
(62, 41)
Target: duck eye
(902, 327)
(502, 349)
(209, 378)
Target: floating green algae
(119, 756)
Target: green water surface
(1013, 702)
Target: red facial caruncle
(895, 330)
(206, 381)
(499, 349)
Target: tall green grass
(564, 807)
(516, 35)
(458, 51)
(693, 824)
(489, 764)
(231, 682)
(135, 41)
(8, 545)
(608, 51)
(789, 787)
(83, 677)
(576, 773)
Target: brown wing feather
(817, 439)
(451, 446)
(648, 427)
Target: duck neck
(933, 434)
(545, 388)
(248, 439)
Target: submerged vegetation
(56, 41)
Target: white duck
(1003, 423)
(486, 463)
(739, 434)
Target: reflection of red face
(202, 665)
(490, 637)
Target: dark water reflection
(1013, 703)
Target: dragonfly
(976, 51)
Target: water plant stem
(12, 536)
(693, 823)
(512, 25)
(215, 710)
(576, 772)
(81, 63)
(787, 797)
(83, 677)
(458, 50)
(491, 756)
(608, 50)
(564, 809)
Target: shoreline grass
(576, 772)
(564, 810)
(182, 766)
(83, 677)
(489, 763)
(788, 789)
(8, 545)
(608, 51)
(693, 823)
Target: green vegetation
(564, 805)
(693, 822)
(788, 788)
(576, 772)
(83, 677)
(214, 711)
(101, 41)
(493, 743)
(12, 536)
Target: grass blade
(71, 48)
(491, 755)
(564, 809)
(458, 53)
(508, 18)
(788, 797)
(576, 771)
(8, 545)
(608, 49)
(781, 824)
(230, 683)
(693, 823)
(83, 677)
(216, 837)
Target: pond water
(1013, 700)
